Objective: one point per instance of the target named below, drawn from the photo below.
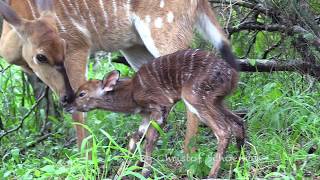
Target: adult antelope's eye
(82, 94)
(41, 58)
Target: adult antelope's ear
(110, 80)
(10, 16)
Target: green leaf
(37, 173)
(158, 128)
(49, 169)
(252, 62)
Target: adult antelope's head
(42, 47)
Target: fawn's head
(42, 47)
(93, 93)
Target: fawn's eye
(41, 58)
(82, 94)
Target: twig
(34, 143)
(253, 41)
(5, 69)
(1, 124)
(267, 51)
(24, 117)
(70, 142)
(44, 124)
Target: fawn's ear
(110, 80)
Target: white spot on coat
(148, 19)
(161, 3)
(158, 22)
(115, 8)
(170, 17)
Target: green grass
(283, 126)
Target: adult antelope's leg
(76, 63)
(137, 56)
(192, 129)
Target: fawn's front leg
(152, 137)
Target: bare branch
(258, 27)
(24, 117)
(260, 65)
(37, 141)
(257, 7)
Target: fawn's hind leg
(214, 118)
(221, 130)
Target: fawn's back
(187, 72)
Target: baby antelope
(196, 77)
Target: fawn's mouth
(69, 109)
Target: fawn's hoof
(146, 173)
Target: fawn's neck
(122, 99)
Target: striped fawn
(196, 77)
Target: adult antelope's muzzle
(68, 96)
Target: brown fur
(195, 76)
(84, 28)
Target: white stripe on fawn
(168, 62)
(141, 82)
(192, 61)
(32, 10)
(128, 5)
(105, 14)
(158, 81)
(115, 8)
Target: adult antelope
(53, 39)
(195, 76)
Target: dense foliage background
(279, 38)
